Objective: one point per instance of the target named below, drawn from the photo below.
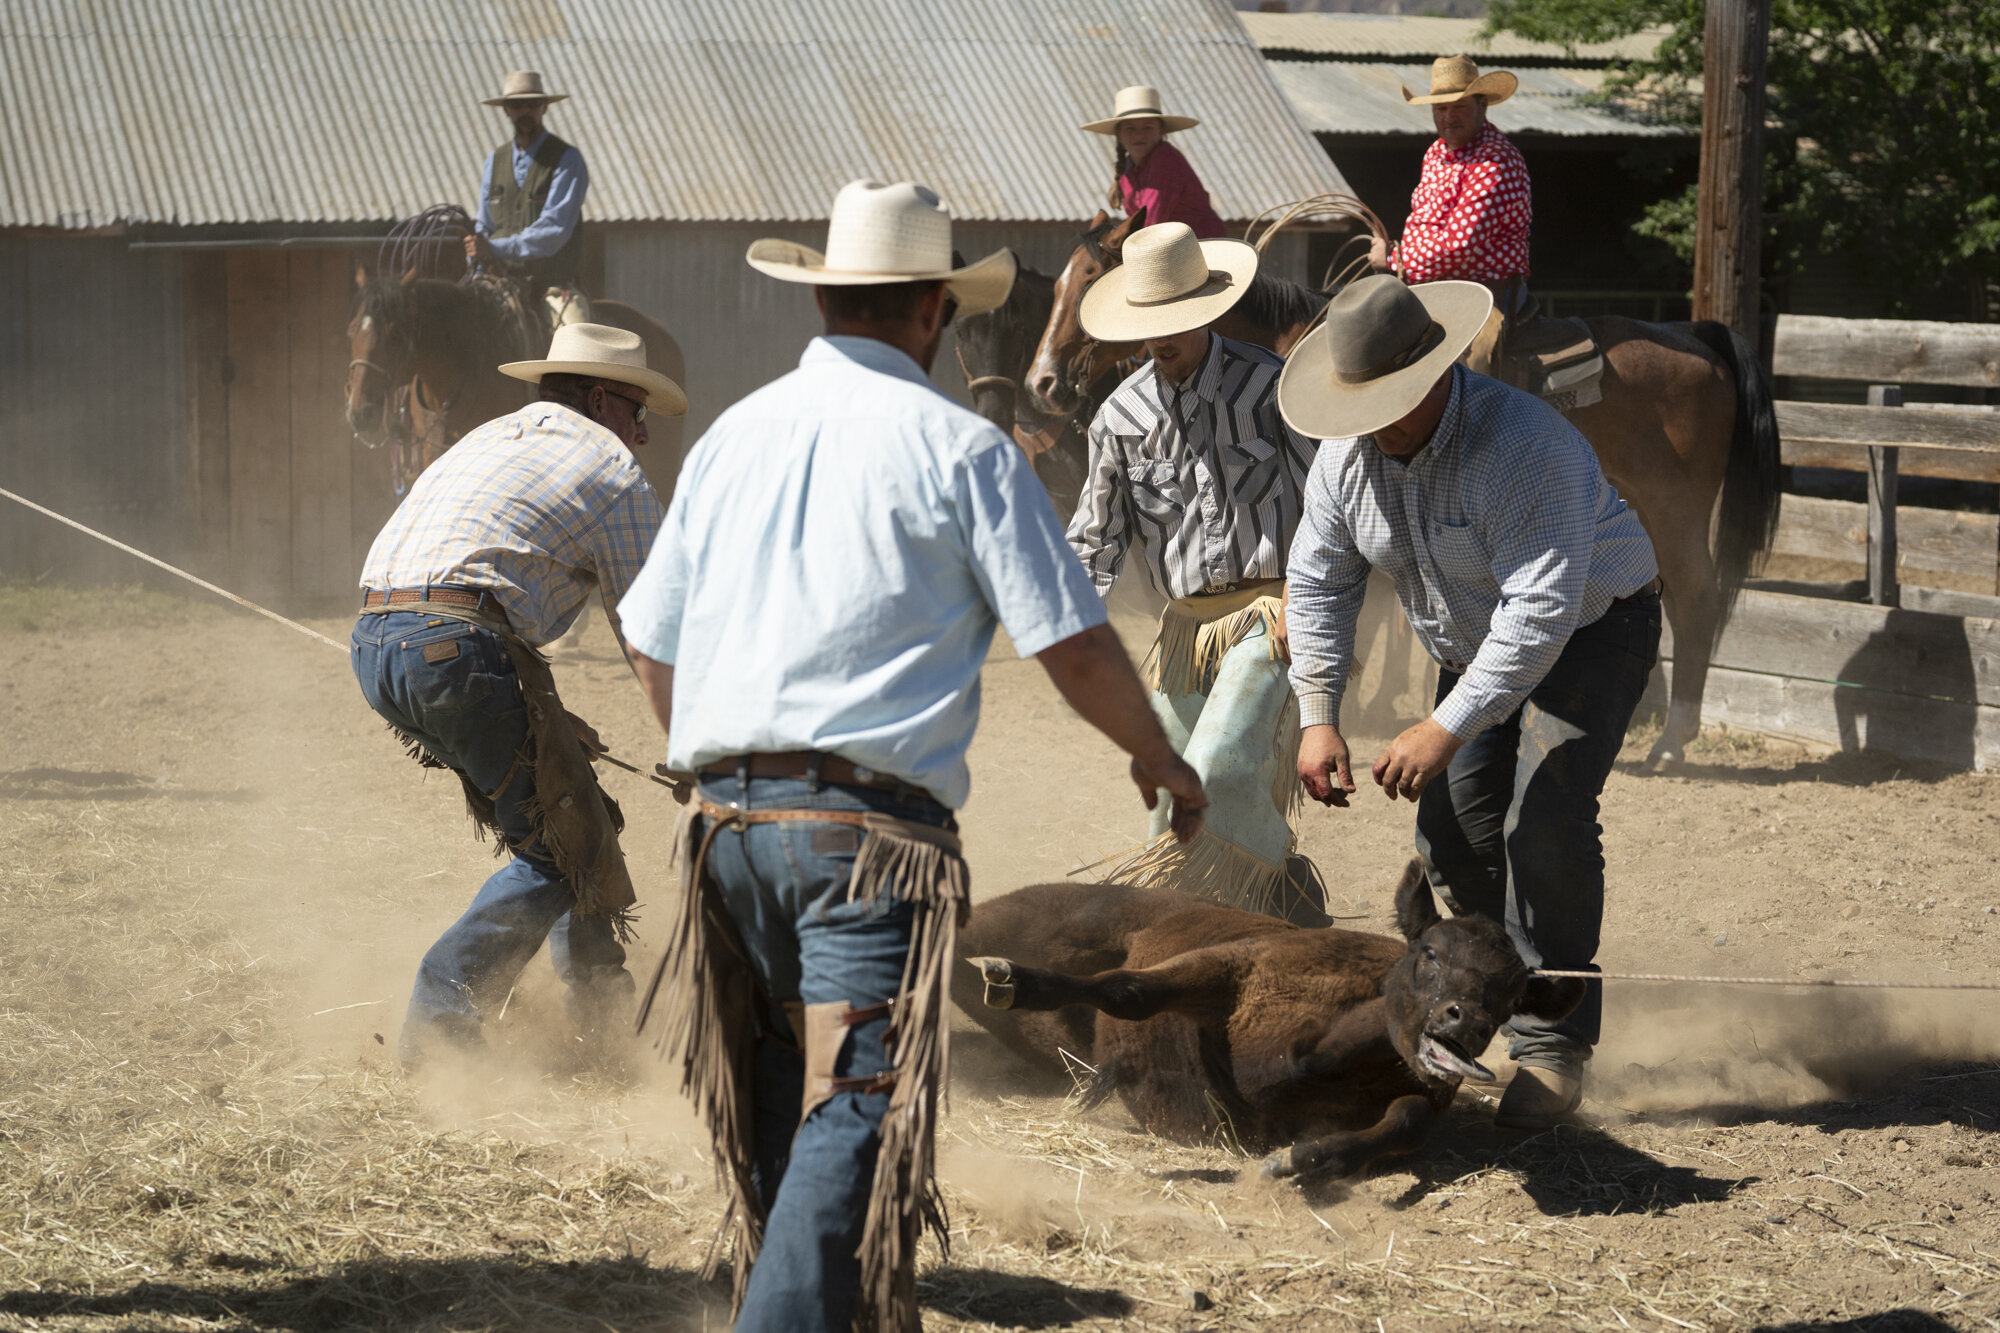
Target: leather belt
(1217, 589)
(812, 765)
(472, 598)
(1651, 589)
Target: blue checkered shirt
(541, 506)
(1502, 536)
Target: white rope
(244, 602)
(1773, 981)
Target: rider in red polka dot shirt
(1470, 213)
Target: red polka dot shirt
(1469, 214)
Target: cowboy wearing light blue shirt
(810, 629)
(530, 206)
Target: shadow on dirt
(1888, 1321)
(981, 1066)
(1569, 1171)
(78, 784)
(399, 1294)
(1864, 768)
(1015, 1299)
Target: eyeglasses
(638, 408)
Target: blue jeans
(1512, 833)
(467, 711)
(786, 888)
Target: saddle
(1553, 358)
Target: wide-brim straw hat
(889, 233)
(1140, 103)
(1169, 282)
(1377, 353)
(523, 85)
(1455, 78)
(604, 353)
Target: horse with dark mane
(1685, 430)
(426, 355)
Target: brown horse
(1685, 430)
(426, 354)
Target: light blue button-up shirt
(546, 234)
(840, 547)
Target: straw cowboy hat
(889, 233)
(1379, 350)
(1455, 78)
(604, 353)
(1140, 103)
(523, 85)
(1168, 283)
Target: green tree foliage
(1882, 137)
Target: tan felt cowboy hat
(604, 353)
(523, 85)
(1168, 283)
(889, 233)
(1379, 350)
(1140, 103)
(1455, 78)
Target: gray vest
(513, 207)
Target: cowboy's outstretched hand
(1378, 254)
(1183, 787)
(1414, 758)
(1323, 765)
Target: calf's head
(1460, 980)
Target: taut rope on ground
(1773, 981)
(677, 786)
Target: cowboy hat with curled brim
(1455, 78)
(523, 85)
(1168, 282)
(889, 233)
(1139, 103)
(601, 352)
(1377, 353)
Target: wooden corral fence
(1884, 663)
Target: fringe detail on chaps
(1196, 633)
(714, 1012)
(570, 816)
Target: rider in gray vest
(530, 200)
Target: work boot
(1539, 1098)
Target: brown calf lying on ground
(1333, 1046)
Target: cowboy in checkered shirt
(1470, 213)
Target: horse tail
(1750, 481)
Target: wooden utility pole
(1729, 220)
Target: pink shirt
(1167, 188)
(1469, 215)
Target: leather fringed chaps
(714, 1017)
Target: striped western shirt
(1502, 536)
(1205, 472)
(541, 505)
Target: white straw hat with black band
(889, 233)
(1139, 103)
(601, 352)
(1380, 348)
(1168, 282)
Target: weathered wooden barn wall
(92, 417)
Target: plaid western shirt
(1206, 472)
(541, 506)
(1502, 536)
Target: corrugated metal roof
(192, 112)
(1341, 97)
(1360, 36)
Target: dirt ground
(218, 872)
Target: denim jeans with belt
(786, 888)
(1512, 831)
(461, 699)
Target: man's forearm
(656, 682)
(1094, 675)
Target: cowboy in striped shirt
(491, 556)
(1191, 456)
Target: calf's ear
(1551, 998)
(1416, 909)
